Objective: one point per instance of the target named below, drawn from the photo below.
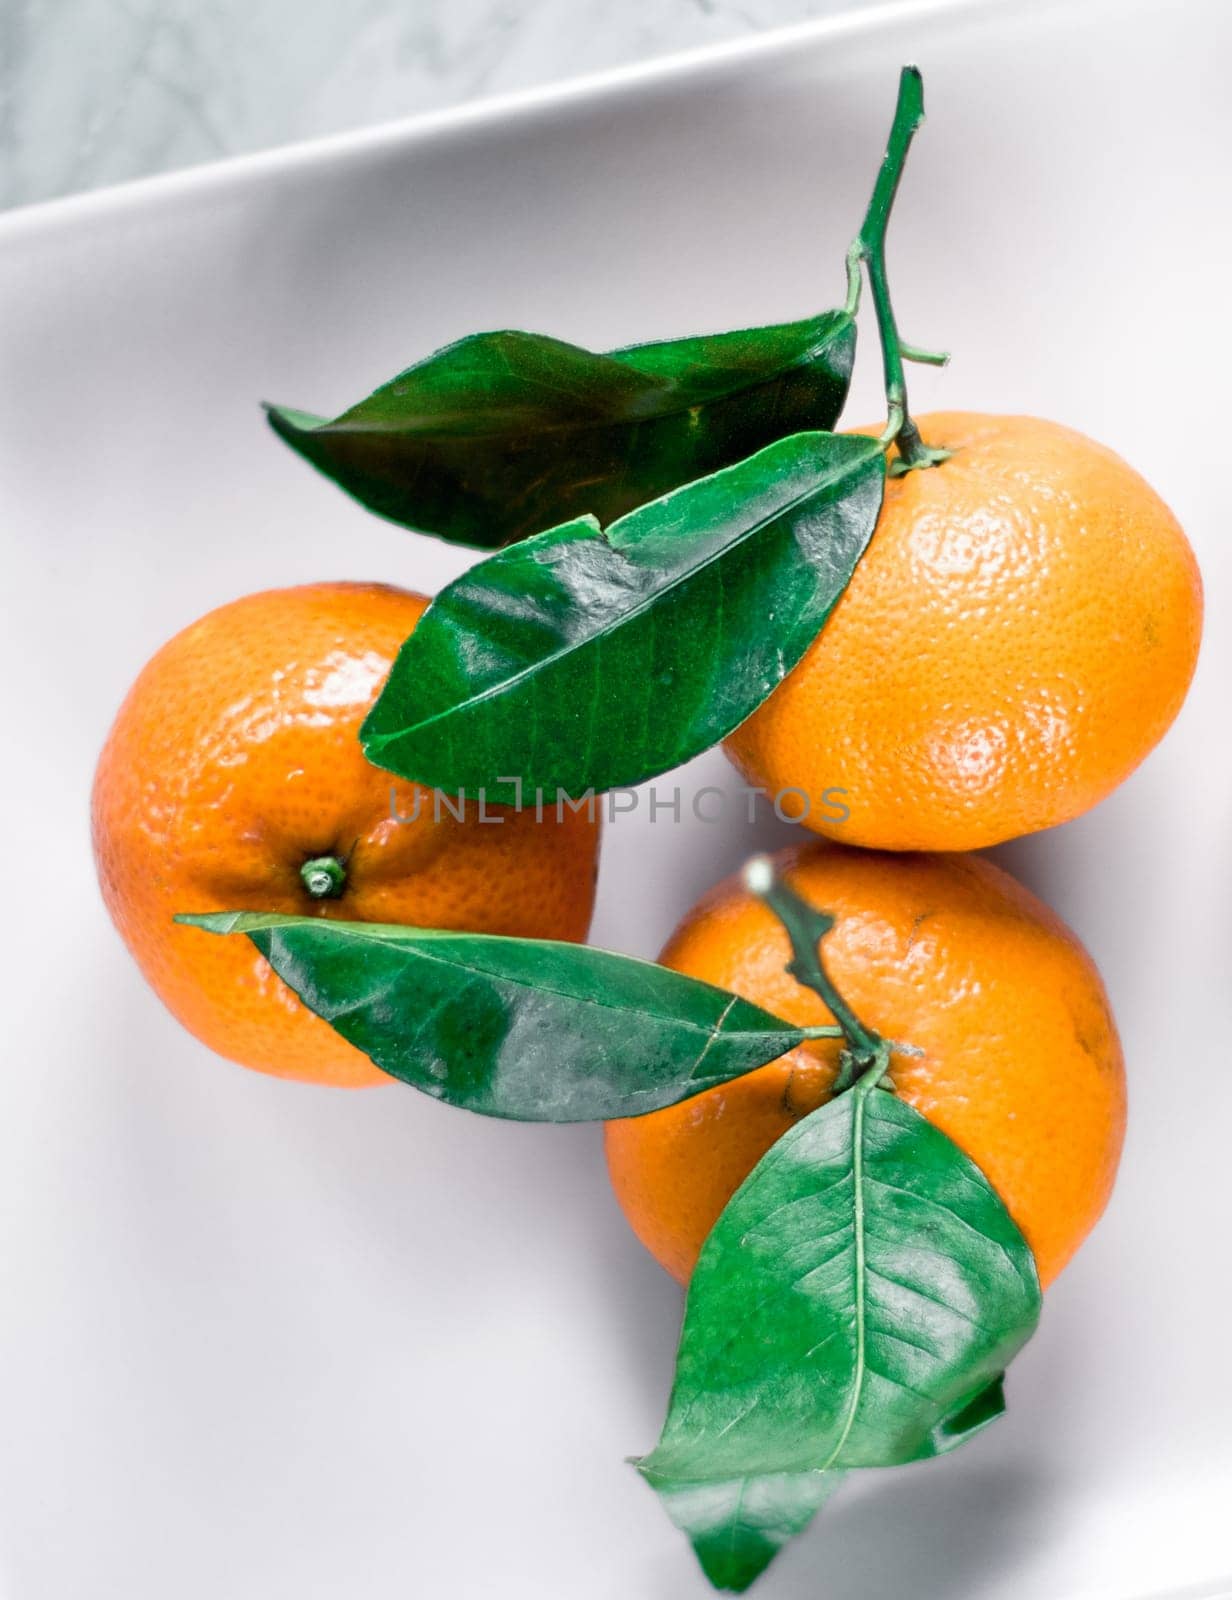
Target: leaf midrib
(858, 1209)
(711, 1033)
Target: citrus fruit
(1019, 634)
(234, 763)
(1002, 1031)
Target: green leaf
(501, 435)
(522, 1028)
(737, 1527)
(586, 659)
(855, 1305)
(966, 1421)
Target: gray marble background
(96, 91)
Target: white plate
(260, 1340)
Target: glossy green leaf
(855, 1305)
(593, 659)
(504, 434)
(522, 1028)
(967, 1421)
(737, 1527)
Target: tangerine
(233, 779)
(1019, 634)
(1003, 1037)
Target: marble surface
(93, 92)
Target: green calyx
(324, 877)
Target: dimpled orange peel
(1005, 1042)
(1019, 634)
(233, 779)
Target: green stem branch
(806, 928)
(868, 248)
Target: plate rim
(480, 115)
